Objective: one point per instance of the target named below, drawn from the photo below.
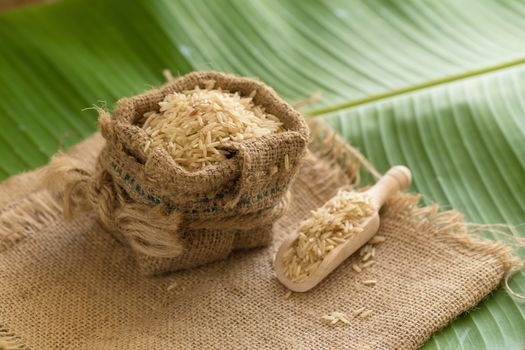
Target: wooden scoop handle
(396, 179)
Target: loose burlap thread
(72, 285)
(173, 218)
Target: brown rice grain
(370, 283)
(377, 239)
(365, 314)
(335, 317)
(356, 268)
(367, 256)
(358, 312)
(368, 264)
(172, 286)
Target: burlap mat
(73, 286)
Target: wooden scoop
(396, 179)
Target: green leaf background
(436, 85)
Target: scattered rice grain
(286, 162)
(365, 314)
(368, 264)
(377, 239)
(172, 286)
(335, 317)
(370, 283)
(367, 256)
(358, 312)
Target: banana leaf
(436, 85)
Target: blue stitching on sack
(244, 201)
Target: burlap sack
(173, 218)
(71, 285)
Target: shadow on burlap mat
(73, 286)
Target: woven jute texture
(71, 285)
(173, 218)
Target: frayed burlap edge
(24, 218)
(77, 181)
(449, 226)
(18, 221)
(10, 341)
(331, 148)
